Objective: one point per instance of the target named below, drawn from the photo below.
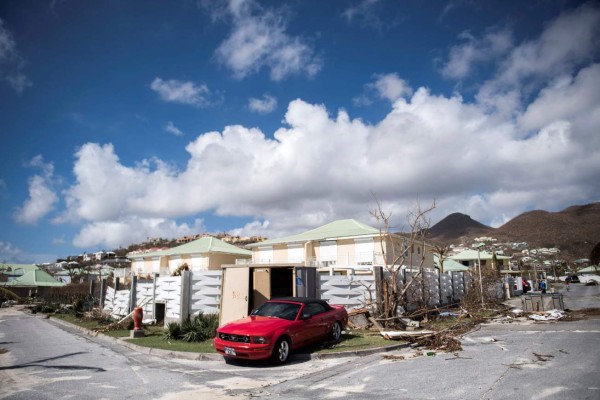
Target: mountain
(574, 230)
(456, 226)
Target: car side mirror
(305, 316)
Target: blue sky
(122, 120)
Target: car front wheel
(336, 331)
(281, 352)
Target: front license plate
(229, 351)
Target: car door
(317, 321)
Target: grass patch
(156, 341)
(154, 337)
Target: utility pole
(479, 264)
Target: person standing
(543, 286)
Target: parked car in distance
(574, 278)
(280, 326)
(589, 279)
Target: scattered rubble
(551, 315)
(358, 319)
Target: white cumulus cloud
(174, 91)
(42, 196)
(265, 105)
(258, 39)
(569, 42)
(391, 86)
(464, 57)
(129, 230)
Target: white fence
(205, 292)
(196, 292)
(116, 302)
(204, 296)
(349, 291)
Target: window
(295, 253)
(313, 309)
(279, 310)
(328, 251)
(264, 255)
(364, 251)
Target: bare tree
(397, 251)
(441, 252)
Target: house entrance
(270, 283)
(246, 287)
(159, 312)
(282, 282)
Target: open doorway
(159, 313)
(270, 283)
(282, 282)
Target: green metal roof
(469, 255)
(4, 268)
(37, 277)
(333, 230)
(449, 264)
(207, 244)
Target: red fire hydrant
(138, 315)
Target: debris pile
(552, 315)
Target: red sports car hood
(255, 326)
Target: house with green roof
(206, 253)
(471, 258)
(450, 265)
(342, 246)
(10, 272)
(33, 282)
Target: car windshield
(275, 309)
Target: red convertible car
(280, 326)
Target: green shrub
(200, 328)
(173, 331)
(191, 331)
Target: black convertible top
(304, 300)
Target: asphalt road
(519, 360)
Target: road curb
(218, 357)
(358, 353)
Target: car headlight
(260, 339)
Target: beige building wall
(137, 263)
(310, 253)
(280, 254)
(216, 260)
(346, 252)
(174, 262)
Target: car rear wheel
(281, 352)
(336, 331)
